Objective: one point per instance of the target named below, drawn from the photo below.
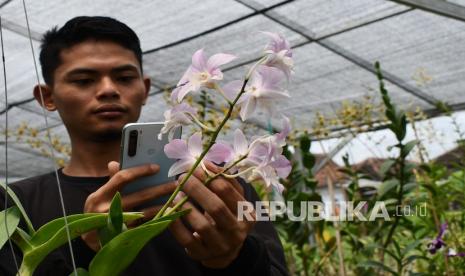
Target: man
(92, 68)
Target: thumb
(113, 168)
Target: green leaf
(47, 231)
(430, 188)
(390, 201)
(377, 265)
(21, 239)
(409, 187)
(79, 272)
(50, 237)
(116, 213)
(308, 160)
(115, 221)
(127, 245)
(386, 166)
(397, 247)
(403, 126)
(12, 218)
(410, 247)
(407, 148)
(17, 202)
(387, 186)
(412, 258)
(305, 143)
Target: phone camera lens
(132, 144)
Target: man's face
(98, 88)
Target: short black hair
(80, 29)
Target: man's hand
(100, 200)
(213, 236)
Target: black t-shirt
(261, 254)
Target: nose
(107, 89)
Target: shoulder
(30, 185)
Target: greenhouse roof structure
(419, 44)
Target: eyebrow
(122, 68)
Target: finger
(113, 168)
(209, 202)
(92, 240)
(194, 247)
(216, 169)
(237, 185)
(150, 212)
(207, 231)
(123, 177)
(212, 167)
(201, 174)
(137, 198)
(225, 190)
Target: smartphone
(139, 146)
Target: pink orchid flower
(271, 166)
(263, 157)
(186, 153)
(222, 152)
(201, 73)
(262, 92)
(180, 114)
(279, 53)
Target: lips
(110, 110)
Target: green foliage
(433, 193)
(79, 272)
(118, 242)
(9, 219)
(300, 187)
(54, 234)
(125, 246)
(20, 207)
(115, 223)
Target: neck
(90, 158)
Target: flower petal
(184, 90)
(180, 167)
(220, 153)
(195, 144)
(217, 60)
(272, 76)
(186, 76)
(281, 136)
(231, 89)
(240, 143)
(247, 108)
(176, 149)
(199, 60)
(282, 166)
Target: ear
(47, 98)
(147, 83)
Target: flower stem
(200, 124)
(209, 179)
(219, 89)
(238, 174)
(202, 155)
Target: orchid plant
(262, 158)
(259, 159)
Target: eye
(83, 81)
(126, 79)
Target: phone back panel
(149, 150)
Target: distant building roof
(452, 158)
(331, 170)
